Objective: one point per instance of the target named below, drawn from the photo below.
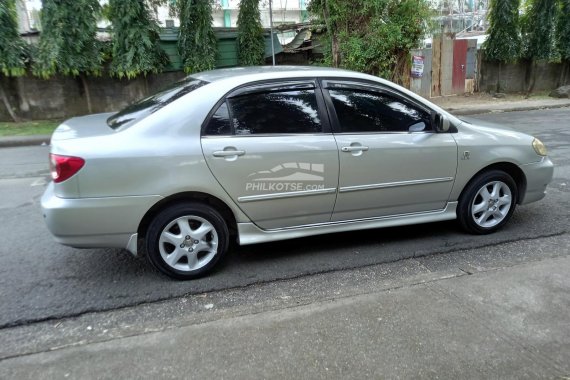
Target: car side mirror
(417, 127)
(442, 123)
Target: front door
(391, 160)
(270, 150)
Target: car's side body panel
(249, 233)
(164, 155)
(280, 180)
(480, 147)
(399, 173)
(94, 222)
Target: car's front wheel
(487, 202)
(187, 240)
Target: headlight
(539, 147)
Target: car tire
(185, 241)
(487, 202)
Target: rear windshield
(141, 109)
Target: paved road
(41, 280)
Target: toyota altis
(264, 154)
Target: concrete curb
(482, 110)
(14, 141)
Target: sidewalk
(458, 105)
(494, 312)
(485, 103)
(14, 141)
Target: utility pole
(271, 31)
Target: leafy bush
(12, 48)
(563, 30)
(67, 43)
(196, 41)
(251, 43)
(504, 41)
(372, 36)
(136, 48)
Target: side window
(219, 124)
(362, 111)
(289, 111)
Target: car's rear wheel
(487, 202)
(187, 240)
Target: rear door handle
(354, 148)
(228, 153)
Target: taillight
(64, 167)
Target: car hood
(83, 126)
(474, 122)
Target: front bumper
(538, 176)
(106, 222)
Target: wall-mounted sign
(417, 66)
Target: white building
(225, 14)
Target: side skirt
(249, 233)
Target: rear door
(391, 160)
(272, 151)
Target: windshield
(141, 109)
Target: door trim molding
(375, 186)
(289, 194)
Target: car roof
(253, 73)
(232, 77)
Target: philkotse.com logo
(289, 176)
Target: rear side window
(281, 112)
(141, 109)
(363, 111)
(219, 123)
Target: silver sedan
(264, 154)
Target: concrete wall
(62, 97)
(514, 76)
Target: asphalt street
(42, 280)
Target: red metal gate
(459, 66)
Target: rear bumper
(538, 176)
(94, 222)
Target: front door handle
(228, 153)
(354, 148)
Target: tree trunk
(21, 91)
(146, 90)
(564, 73)
(8, 106)
(335, 49)
(532, 78)
(499, 77)
(87, 94)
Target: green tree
(68, 44)
(196, 40)
(12, 49)
(136, 48)
(250, 41)
(538, 31)
(373, 36)
(563, 39)
(504, 42)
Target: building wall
(513, 76)
(62, 97)
(284, 12)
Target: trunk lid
(83, 126)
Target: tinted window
(153, 103)
(361, 111)
(219, 124)
(275, 112)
